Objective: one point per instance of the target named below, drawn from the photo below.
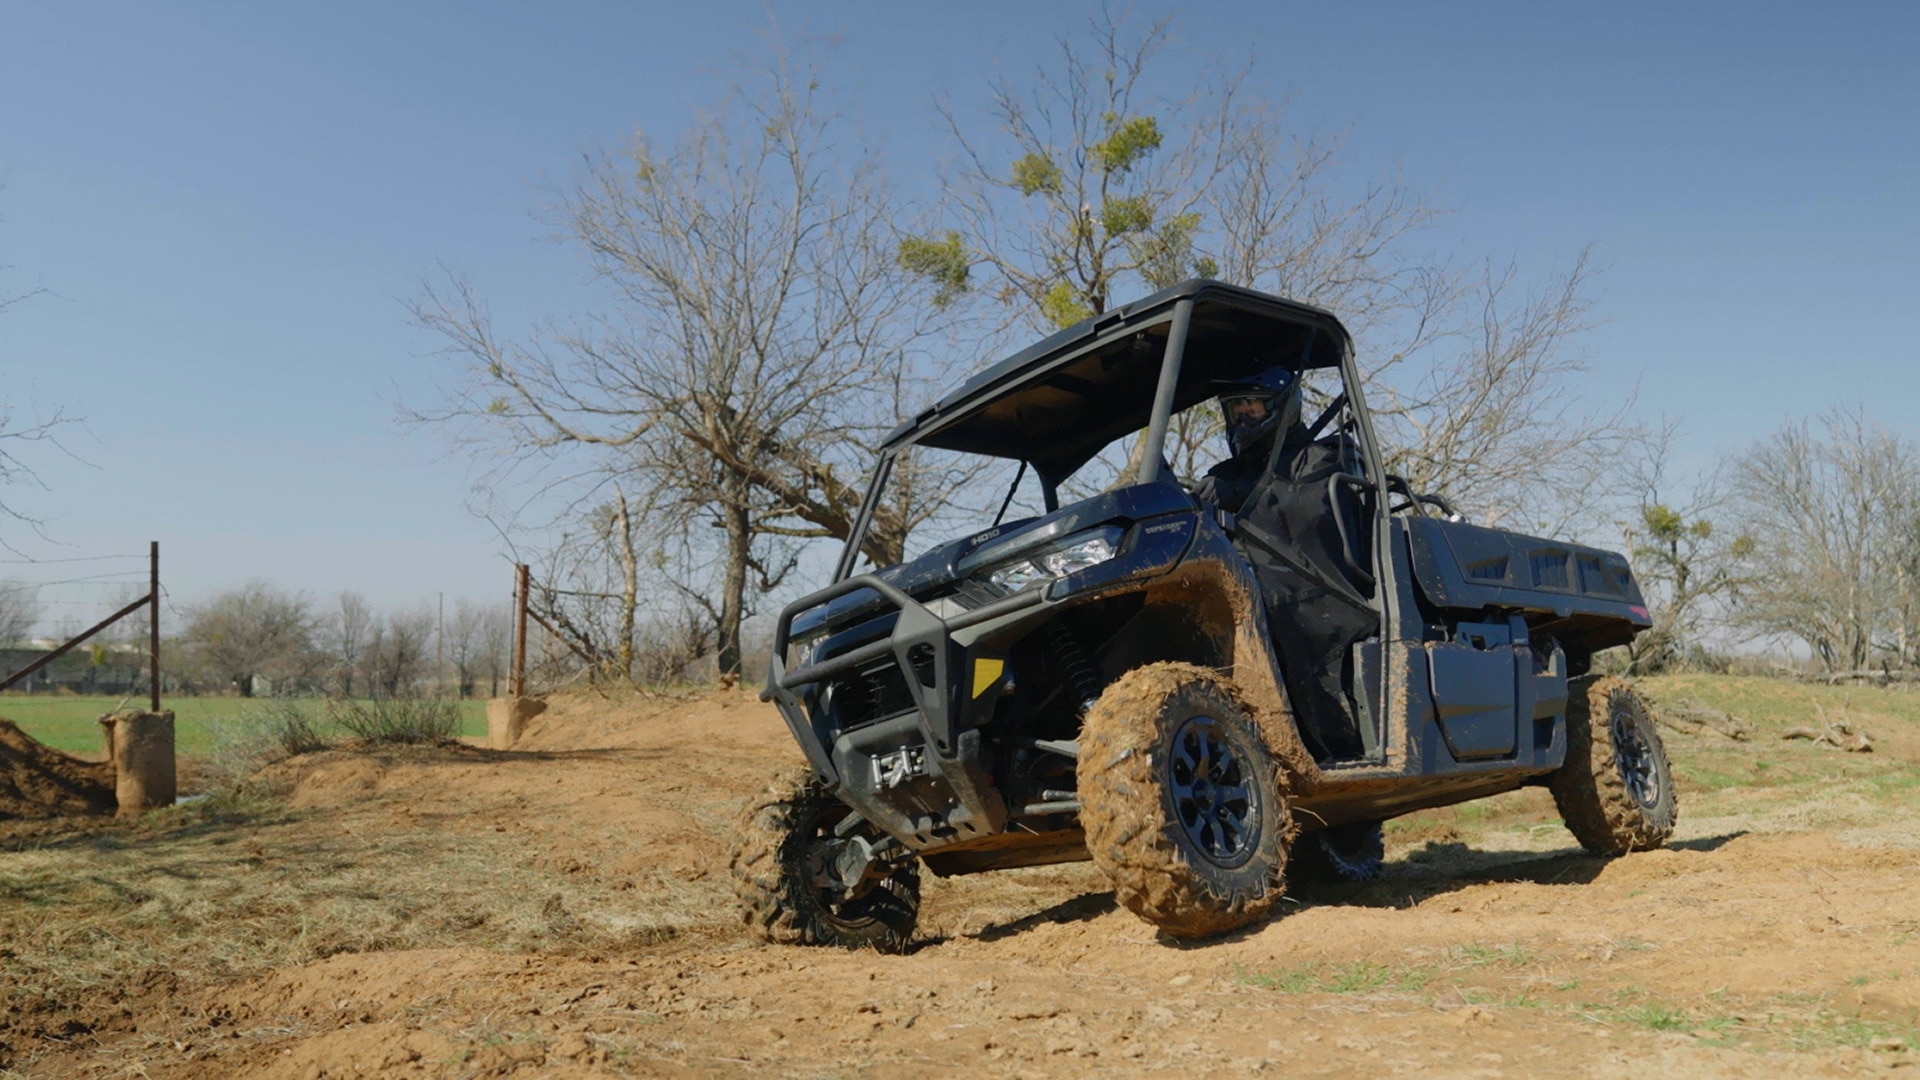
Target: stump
(507, 719)
(140, 745)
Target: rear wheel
(1181, 801)
(782, 860)
(1615, 790)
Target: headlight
(800, 648)
(1018, 576)
(1077, 555)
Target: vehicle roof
(1061, 400)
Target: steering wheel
(1399, 486)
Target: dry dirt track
(1763, 952)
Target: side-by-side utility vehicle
(1207, 687)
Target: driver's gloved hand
(1207, 490)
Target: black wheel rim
(1634, 754)
(1213, 796)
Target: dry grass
(242, 882)
(1511, 977)
(255, 877)
(1762, 784)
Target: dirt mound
(39, 782)
(732, 722)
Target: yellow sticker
(985, 674)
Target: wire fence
(87, 632)
(86, 625)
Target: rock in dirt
(40, 782)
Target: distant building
(93, 668)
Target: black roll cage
(1174, 308)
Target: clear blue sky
(228, 204)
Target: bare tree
(467, 643)
(1497, 412)
(1901, 569)
(397, 652)
(1828, 510)
(1690, 566)
(256, 629)
(589, 587)
(344, 637)
(19, 612)
(1106, 175)
(670, 645)
(496, 647)
(1093, 197)
(763, 343)
(17, 432)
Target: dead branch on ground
(1692, 718)
(1839, 734)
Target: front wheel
(784, 846)
(1181, 801)
(1615, 790)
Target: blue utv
(1206, 686)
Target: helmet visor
(1246, 414)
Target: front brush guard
(916, 632)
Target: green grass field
(71, 722)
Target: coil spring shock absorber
(1073, 661)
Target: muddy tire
(1615, 790)
(1182, 802)
(1341, 855)
(780, 841)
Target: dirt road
(570, 916)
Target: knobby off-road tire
(1340, 855)
(1181, 801)
(779, 841)
(1615, 790)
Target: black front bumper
(920, 774)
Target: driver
(1277, 485)
(1256, 408)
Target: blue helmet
(1259, 404)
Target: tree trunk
(629, 581)
(733, 598)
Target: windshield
(1068, 415)
(933, 496)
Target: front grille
(868, 697)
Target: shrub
(288, 724)
(265, 732)
(396, 720)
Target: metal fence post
(153, 620)
(517, 680)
